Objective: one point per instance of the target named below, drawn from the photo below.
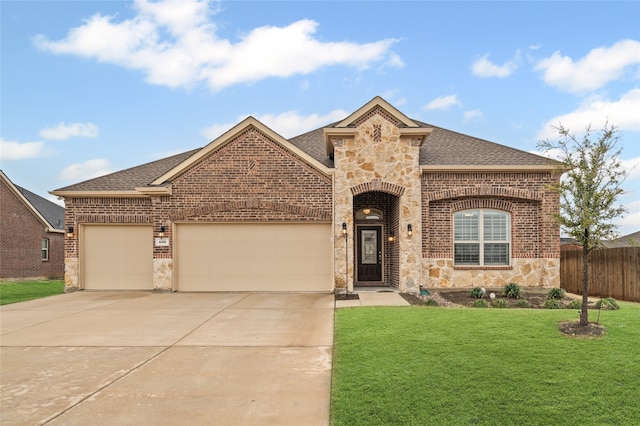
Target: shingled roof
(53, 213)
(50, 212)
(132, 178)
(442, 148)
(448, 148)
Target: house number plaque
(162, 242)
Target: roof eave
(155, 190)
(98, 194)
(487, 168)
(336, 132)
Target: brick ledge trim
(253, 203)
(484, 190)
(105, 218)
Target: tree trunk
(584, 312)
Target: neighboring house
(31, 234)
(631, 240)
(567, 243)
(375, 199)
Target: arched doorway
(376, 259)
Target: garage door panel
(117, 257)
(253, 257)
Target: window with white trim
(481, 237)
(45, 249)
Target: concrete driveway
(105, 358)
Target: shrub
(431, 302)
(512, 290)
(478, 293)
(574, 304)
(499, 303)
(607, 304)
(552, 304)
(523, 304)
(556, 293)
(480, 304)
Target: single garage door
(254, 257)
(117, 257)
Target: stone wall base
(440, 273)
(71, 274)
(163, 274)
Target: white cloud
(593, 71)
(632, 166)
(286, 124)
(66, 131)
(472, 115)
(631, 221)
(11, 150)
(88, 170)
(175, 44)
(623, 114)
(484, 68)
(443, 102)
(54, 199)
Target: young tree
(589, 190)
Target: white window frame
(44, 249)
(481, 241)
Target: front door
(369, 253)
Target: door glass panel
(369, 247)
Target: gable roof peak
(49, 213)
(377, 102)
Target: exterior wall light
(346, 255)
(70, 232)
(409, 230)
(392, 237)
(161, 234)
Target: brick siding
(21, 237)
(250, 178)
(534, 233)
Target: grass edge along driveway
(23, 290)
(418, 366)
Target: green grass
(421, 366)
(20, 291)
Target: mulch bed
(573, 328)
(462, 299)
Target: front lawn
(19, 291)
(420, 366)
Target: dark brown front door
(369, 253)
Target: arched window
(481, 237)
(369, 214)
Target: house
(568, 243)
(629, 240)
(377, 199)
(31, 234)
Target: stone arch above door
(377, 185)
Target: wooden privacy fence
(617, 269)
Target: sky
(92, 87)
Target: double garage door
(212, 257)
(253, 257)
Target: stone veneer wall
(440, 273)
(378, 159)
(535, 236)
